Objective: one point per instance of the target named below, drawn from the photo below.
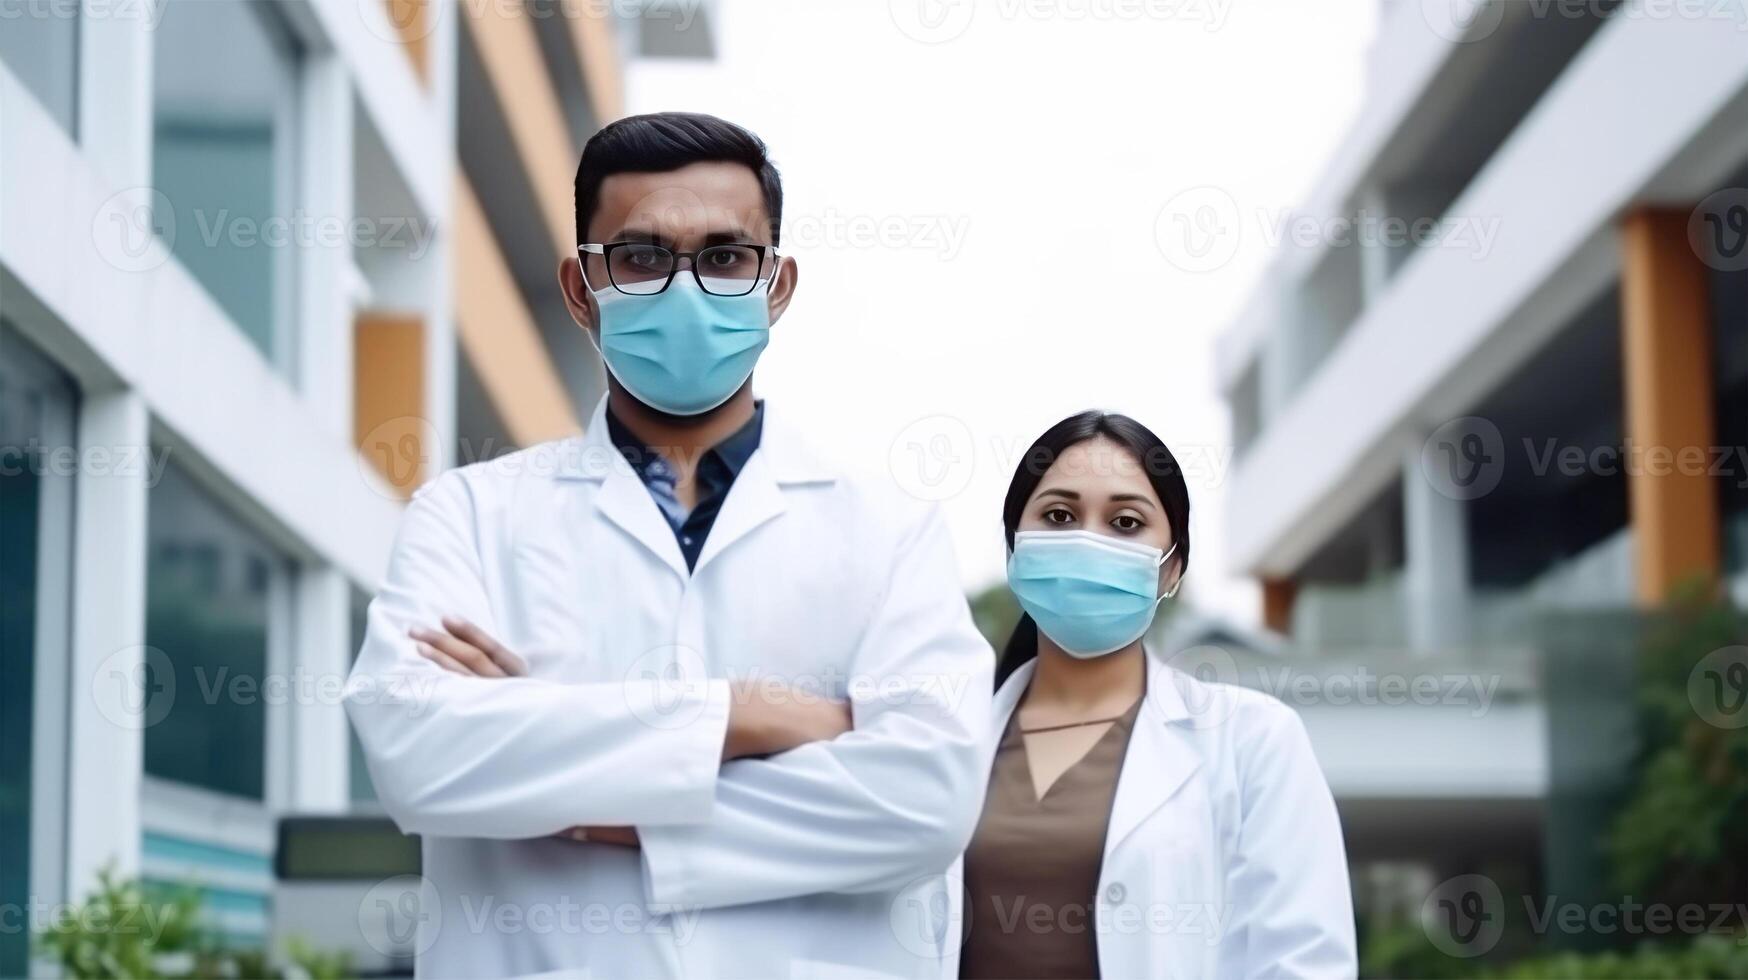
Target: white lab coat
(791, 866)
(1224, 856)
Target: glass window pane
(39, 44)
(209, 582)
(225, 80)
(35, 416)
(363, 791)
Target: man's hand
(617, 836)
(764, 718)
(466, 649)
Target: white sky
(978, 219)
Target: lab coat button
(1116, 892)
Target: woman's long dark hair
(1155, 460)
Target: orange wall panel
(389, 423)
(1670, 405)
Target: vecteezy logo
(134, 229)
(925, 918)
(1199, 229)
(406, 21)
(400, 916)
(1718, 230)
(1464, 917)
(1463, 21)
(664, 688)
(933, 458)
(932, 21)
(134, 688)
(1464, 459)
(1717, 687)
(1207, 706)
(399, 451)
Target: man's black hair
(663, 141)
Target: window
(672, 28)
(223, 156)
(362, 789)
(39, 44)
(36, 408)
(215, 595)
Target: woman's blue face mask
(1089, 593)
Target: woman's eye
(1056, 515)
(1126, 522)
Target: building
(1504, 382)
(263, 268)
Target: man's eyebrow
(638, 235)
(734, 235)
(1059, 492)
(730, 236)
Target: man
(606, 677)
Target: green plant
(125, 930)
(1680, 837)
(316, 965)
(995, 612)
(1709, 957)
(1683, 833)
(122, 932)
(1403, 951)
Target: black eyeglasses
(643, 269)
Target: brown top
(1032, 870)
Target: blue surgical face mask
(683, 351)
(1089, 593)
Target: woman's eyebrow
(1059, 492)
(1133, 497)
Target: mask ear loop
(1176, 586)
(583, 271)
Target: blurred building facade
(264, 267)
(1447, 437)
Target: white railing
(1371, 615)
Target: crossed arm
(805, 803)
(763, 719)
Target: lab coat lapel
(783, 461)
(1007, 698)
(623, 499)
(1160, 759)
(753, 499)
(626, 502)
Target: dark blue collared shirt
(717, 471)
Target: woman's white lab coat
(1224, 856)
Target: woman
(1138, 822)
